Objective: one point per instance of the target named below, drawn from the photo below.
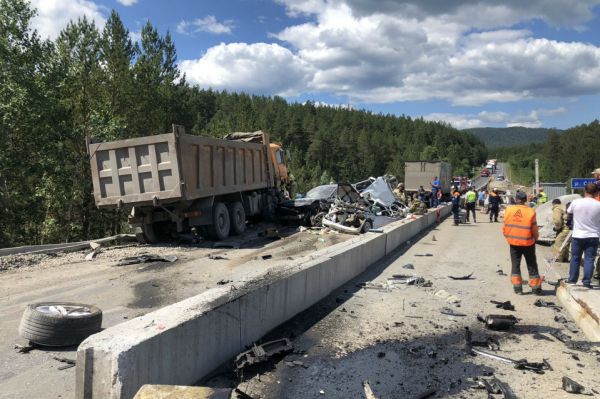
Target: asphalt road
(396, 336)
(122, 292)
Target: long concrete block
(584, 307)
(183, 342)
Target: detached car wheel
(59, 323)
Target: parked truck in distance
(175, 181)
(422, 173)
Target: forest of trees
(500, 137)
(574, 152)
(91, 82)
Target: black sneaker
(537, 291)
(518, 290)
(589, 286)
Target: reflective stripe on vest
(520, 227)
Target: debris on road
(467, 277)
(132, 260)
(522, 364)
(498, 322)
(368, 391)
(268, 256)
(69, 362)
(571, 386)
(504, 305)
(540, 303)
(451, 312)
(261, 353)
(408, 266)
(443, 294)
(25, 348)
(223, 282)
(424, 254)
(217, 257)
(271, 232)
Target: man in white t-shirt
(586, 232)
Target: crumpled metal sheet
(380, 191)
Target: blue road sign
(581, 182)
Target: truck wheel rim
(64, 310)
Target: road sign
(581, 182)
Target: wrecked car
(310, 210)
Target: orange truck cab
(279, 163)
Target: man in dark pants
(470, 201)
(521, 232)
(495, 201)
(456, 206)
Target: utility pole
(537, 176)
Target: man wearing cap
(521, 232)
(470, 201)
(494, 201)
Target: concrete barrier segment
(183, 342)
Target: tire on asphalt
(46, 323)
(368, 225)
(237, 218)
(221, 225)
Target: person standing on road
(542, 197)
(481, 198)
(421, 194)
(494, 201)
(435, 188)
(561, 229)
(456, 205)
(470, 200)
(585, 213)
(521, 232)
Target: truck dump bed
(175, 167)
(421, 173)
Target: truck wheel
(269, 210)
(59, 323)
(237, 217)
(219, 230)
(152, 233)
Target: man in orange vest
(521, 232)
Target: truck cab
(279, 164)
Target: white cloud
(254, 68)
(127, 3)
(499, 118)
(463, 51)
(135, 36)
(54, 15)
(207, 24)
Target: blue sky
(470, 63)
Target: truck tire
(59, 323)
(237, 218)
(151, 233)
(219, 230)
(269, 209)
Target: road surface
(398, 339)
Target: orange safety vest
(520, 226)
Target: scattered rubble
(571, 386)
(261, 353)
(507, 305)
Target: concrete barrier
(183, 342)
(584, 307)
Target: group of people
(470, 198)
(580, 219)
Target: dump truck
(175, 181)
(422, 173)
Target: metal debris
(423, 254)
(25, 349)
(467, 277)
(146, 258)
(69, 362)
(544, 304)
(261, 353)
(268, 256)
(451, 312)
(504, 305)
(523, 364)
(498, 322)
(408, 266)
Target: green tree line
(98, 83)
(574, 152)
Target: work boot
(518, 289)
(537, 291)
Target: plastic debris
(504, 305)
(146, 258)
(467, 277)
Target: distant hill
(495, 137)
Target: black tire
(152, 233)
(269, 209)
(317, 220)
(366, 226)
(55, 329)
(237, 218)
(220, 228)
